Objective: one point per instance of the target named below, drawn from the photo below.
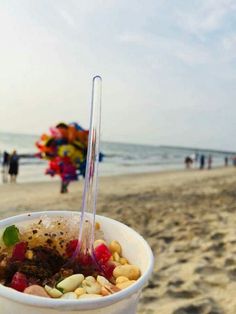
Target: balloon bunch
(65, 148)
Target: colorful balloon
(65, 148)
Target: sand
(188, 218)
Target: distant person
(188, 162)
(202, 161)
(226, 161)
(5, 166)
(67, 172)
(13, 166)
(194, 158)
(234, 161)
(101, 156)
(209, 161)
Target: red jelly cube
(85, 259)
(108, 268)
(71, 246)
(19, 251)
(19, 282)
(102, 253)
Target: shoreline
(181, 168)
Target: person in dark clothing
(202, 161)
(13, 166)
(188, 162)
(226, 161)
(5, 166)
(234, 161)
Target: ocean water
(119, 158)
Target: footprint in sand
(176, 282)
(218, 248)
(186, 290)
(166, 239)
(183, 293)
(217, 236)
(208, 270)
(232, 273)
(211, 276)
(230, 261)
(203, 306)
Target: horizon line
(213, 150)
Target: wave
(119, 158)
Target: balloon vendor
(65, 148)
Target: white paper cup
(134, 248)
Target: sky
(168, 68)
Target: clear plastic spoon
(88, 211)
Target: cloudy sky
(168, 68)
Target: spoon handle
(86, 234)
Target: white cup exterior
(134, 248)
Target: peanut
(123, 261)
(115, 247)
(53, 292)
(125, 284)
(29, 254)
(80, 291)
(3, 262)
(70, 283)
(102, 280)
(111, 288)
(91, 285)
(121, 279)
(104, 292)
(36, 290)
(116, 257)
(98, 242)
(69, 295)
(132, 272)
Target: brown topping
(49, 241)
(45, 264)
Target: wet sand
(188, 218)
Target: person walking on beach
(202, 162)
(188, 162)
(226, 161)
(5, 166)
(68, 174)
(13, 166)
(234, 161)
(209, 161)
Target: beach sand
(188, 218)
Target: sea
(119, 158)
